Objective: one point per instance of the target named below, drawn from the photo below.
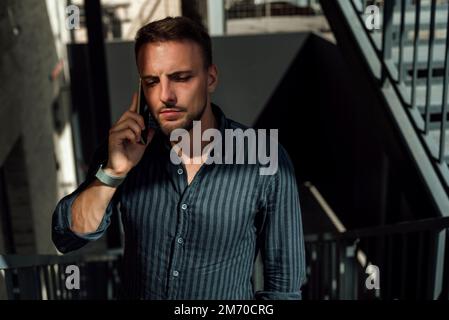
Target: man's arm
(84, 215)
(281, 239)
(89, 207)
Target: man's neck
(208, 121)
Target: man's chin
(168, 127)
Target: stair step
(409, 26)
(440, 39)
(436, 95)
(435, 125)
(437, 77)
(409, 21)
(422, 81)
(434, 137)
(423, 54)
(435, 112)
(409, 38)
(435, 117)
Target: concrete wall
(27, 94)
(250, 69)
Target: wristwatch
(107, 179)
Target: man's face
(175, 82)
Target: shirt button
(184, 206)
(180, 240)
(175, 273)
(180, 171)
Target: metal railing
(412, 260)
(406, 258)
(237, 9)
(46, 277)
(413, 46)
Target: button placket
(178, 255)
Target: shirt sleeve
(63, 237)
(281, 239)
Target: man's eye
(182, 79)
(150, 83)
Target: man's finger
(133, 106)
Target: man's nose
(167, 94)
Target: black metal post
(430, 66)
(387, 34)
(100, 109)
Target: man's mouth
(170, 114)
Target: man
(192, 230)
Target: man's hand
(124, 148)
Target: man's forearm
(90, 206)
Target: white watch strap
(109, 180)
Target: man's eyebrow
(176, 73)
(148, 77)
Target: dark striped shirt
(200, 241)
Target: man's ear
(212, 78)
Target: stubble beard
(187, 123)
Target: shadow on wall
(340, 138)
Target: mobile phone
(144, 111)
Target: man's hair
(175, 29)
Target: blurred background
(364, 85)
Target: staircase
(419, 66)
(405, 61)
(418, 53)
